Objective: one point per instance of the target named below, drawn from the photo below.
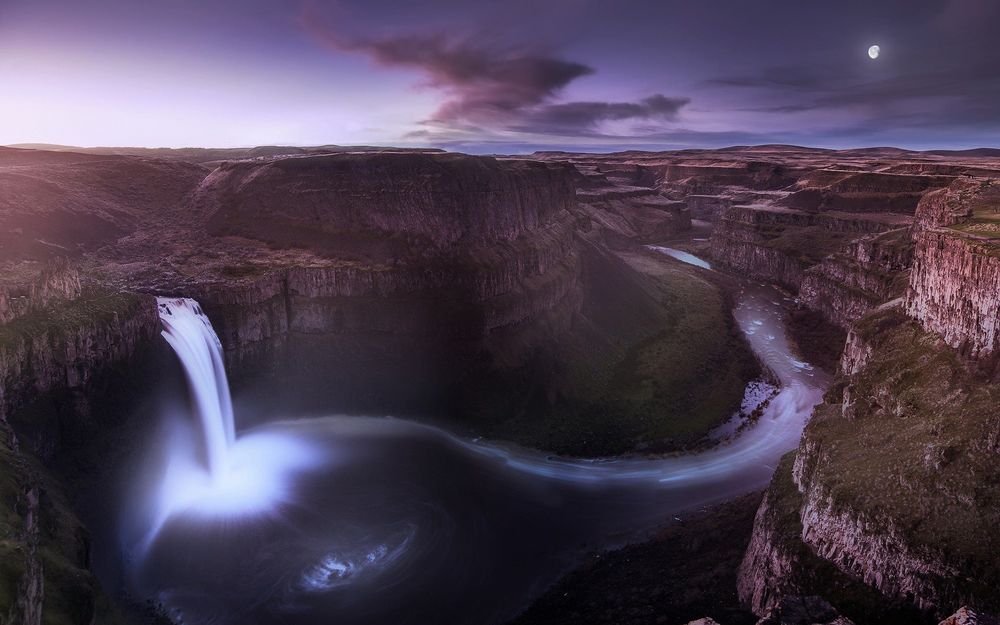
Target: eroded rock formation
(893, 487)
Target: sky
(500, 76)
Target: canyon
(517, 298)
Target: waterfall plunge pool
(379, 520)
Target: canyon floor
(517, 298)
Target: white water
(333, 511)
(684, 257)
(190, 334)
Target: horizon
(583, 150)
(492, 77)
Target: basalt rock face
(893, 487)
(64, 350)
(956, 273)
(821, 235)
(435, 200)
(866, 272)
(954, 291)
(401, 266)
(780, 244)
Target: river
(379, 520)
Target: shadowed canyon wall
(893, 488)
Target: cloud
(488, 86)
(587, 116)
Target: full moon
(873, 52)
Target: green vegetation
(806, 244)
(815, 576)
(654, 363)
(919, 454)
(985, 219)
(93, 308)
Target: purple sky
(503, 76)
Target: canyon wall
(838, 238)
(63, 349)
(892, 481)
(439, 199)
(895, 477)
(956, 274)
(467, 288)
(864, 273)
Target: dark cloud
(490, 86)
(586, 116)
(795, 74)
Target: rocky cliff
(57, 363)
(44, 549)
(893, 485)
(63, 349)
(956, 272)
(425, 199)
(863, 274)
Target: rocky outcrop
(47, 283)
(866, 272)
(66, 345)
(956, 270)
(893, 485)
(435, 199)
(966, 616)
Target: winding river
(378, 520)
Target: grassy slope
(817, 576)
(654, 363)
(92, 309)
(918, 451)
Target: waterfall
(190, 334)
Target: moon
(873, 51)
